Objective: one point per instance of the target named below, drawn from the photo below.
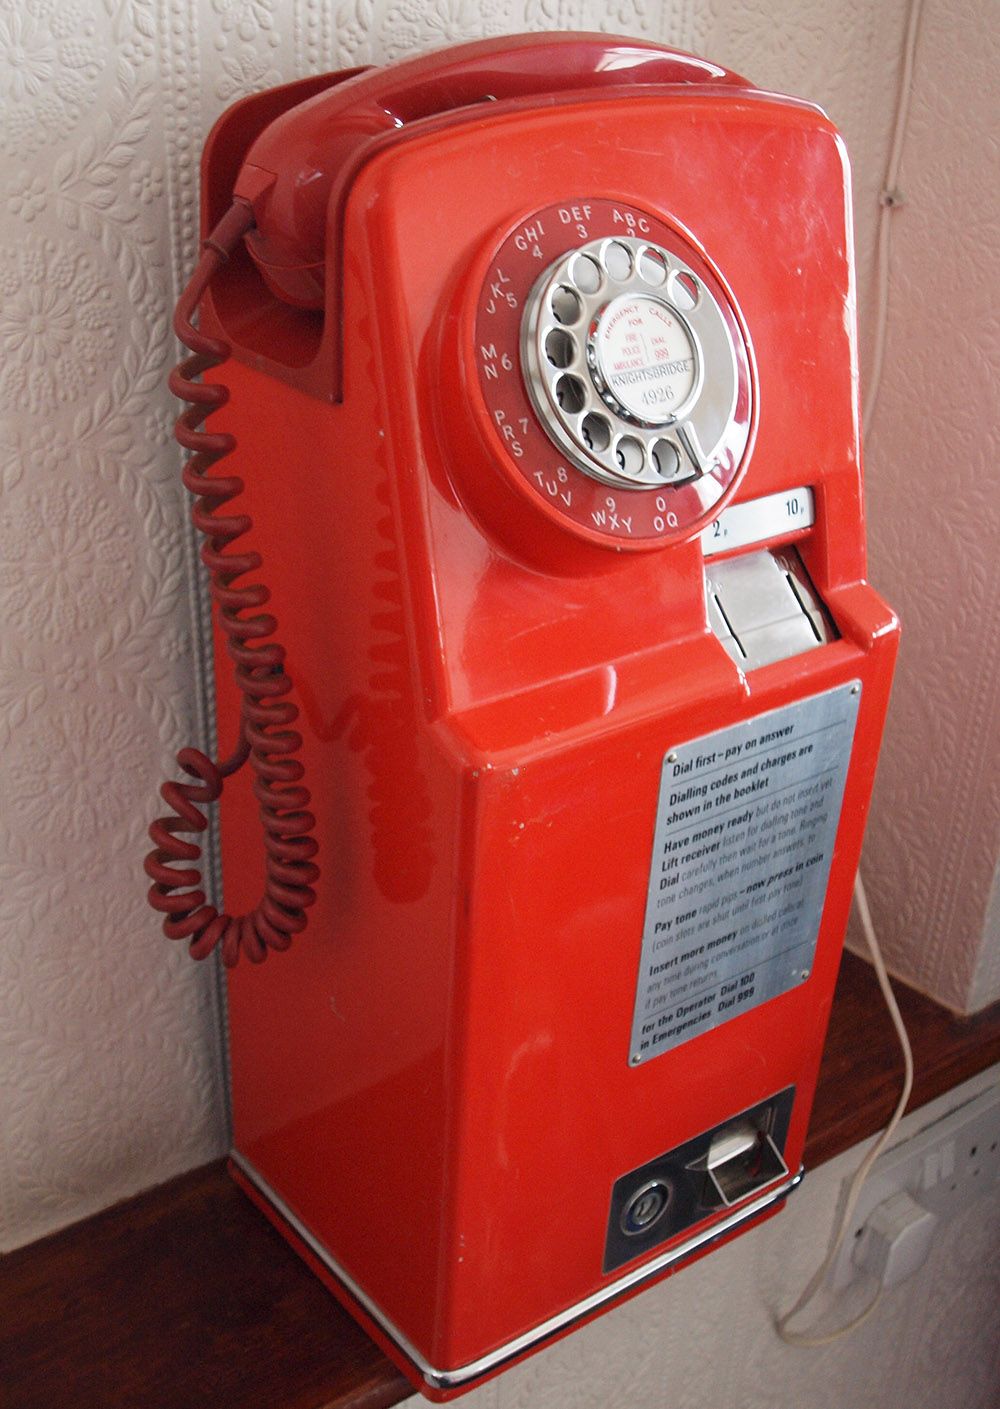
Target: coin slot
(586, 274)
(728, 625)
(571, 395)
(566, 305)
(629, 455)
(666, 458)
(560, 348)
(596, 432)
(652, 268)
(617, 261)
(766, 608)
(684, 291)
(808, 607)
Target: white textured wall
(704, 1338)
(109, 1073)
(933, 463)
(109, 1045)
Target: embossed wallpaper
(111, 1046)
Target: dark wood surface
(182, 1298)
(862, 1069)
(185, 1298)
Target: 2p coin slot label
(745, 827)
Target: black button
(646, 1206)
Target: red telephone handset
(287, 206)
(311, 153)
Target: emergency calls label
(745, 827)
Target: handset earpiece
(310, 152)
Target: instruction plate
(745, 827)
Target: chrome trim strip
(452, 1379)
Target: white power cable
(806, 1338)
(890, 200)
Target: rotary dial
(629, 363)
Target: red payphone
(542, 414)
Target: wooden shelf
(182, 1298)
(862, 1069)
(185, 1298)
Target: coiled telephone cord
(266, 739)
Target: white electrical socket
(944, 1167)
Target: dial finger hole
(652, 268)
(666, 459)
(617, 261)
(684, 291)
(560, 348)
(571, 395)
(586, 274)
(596, 432)
(629, 455)
(566, 305)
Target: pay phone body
(468, 1093)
